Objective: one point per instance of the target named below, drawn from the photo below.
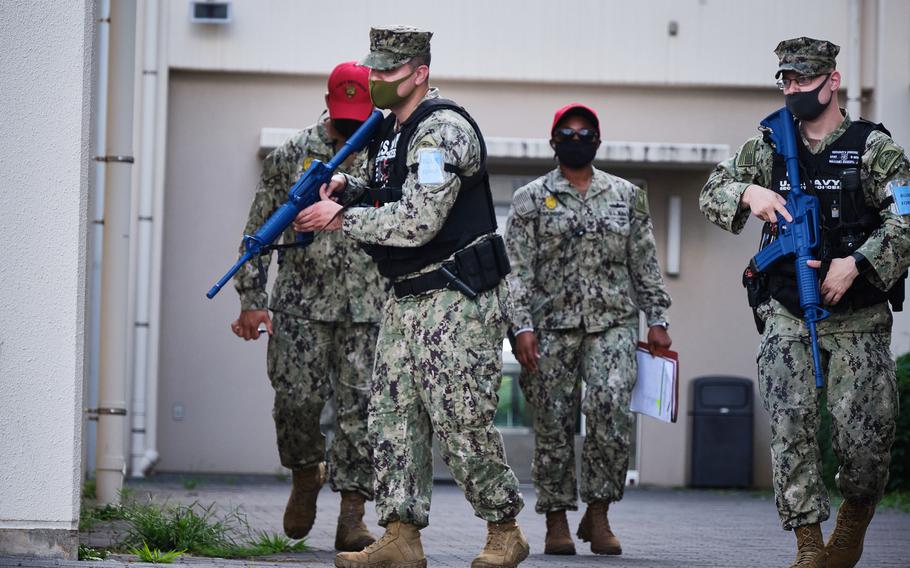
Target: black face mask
(346, 126)
(575, 153)
(805, 105)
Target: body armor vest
(845, 219)
(471, 216)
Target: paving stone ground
(658, 528)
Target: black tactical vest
(471, 216)
(845, 219)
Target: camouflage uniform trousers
(861, 397)
(307, 361)
(438, 369)
(605, 362)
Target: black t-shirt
(385, 157)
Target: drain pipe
(96, 207)
(854, 39)
(157, 241)
(110, 460)
(142, 456)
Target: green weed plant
(89, 553)
(90, 516)
(192, 528)
(156, 556)
(201, 531)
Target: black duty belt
(476, 269)
(428, 282)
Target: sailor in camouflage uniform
(438, 360)
(852, 166)
(583, 266)
(326, 305)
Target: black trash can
(722, 432)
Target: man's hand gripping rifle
(798, 238)
(304, 193)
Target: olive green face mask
(385, 93)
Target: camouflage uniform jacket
(583, 260)
(330, 280)
(887, 248)
(423, 208)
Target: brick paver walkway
(658, 528)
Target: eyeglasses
(801, 81)
(584, 134)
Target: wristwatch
(664, 324)
(862, 263)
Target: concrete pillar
(46, 66)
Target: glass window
(512, 411)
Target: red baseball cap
(577, 109)
(349, 92)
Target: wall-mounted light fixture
(674, 234)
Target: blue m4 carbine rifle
(800, 237)
(304, 193)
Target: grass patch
(190, 483)
(263, 545)
(266, 544)
(192, 528)
(91, 516)
(766, 494)
(897, 500)
(200, 531)
(160, 533)
(89, 553)
(156, 556)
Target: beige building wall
(709, 84)
(585, 41)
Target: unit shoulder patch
(886, 158)
(746, 156)
(641, 201)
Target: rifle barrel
(228, 275)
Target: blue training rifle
(304, 193)
(799, 237)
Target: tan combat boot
(399, 547)
(301, 508)
(506, 546)
(845, 545)
(595, 528)
(352, 534)
(810, 548)
(558, 540)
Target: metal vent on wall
(205, 12)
